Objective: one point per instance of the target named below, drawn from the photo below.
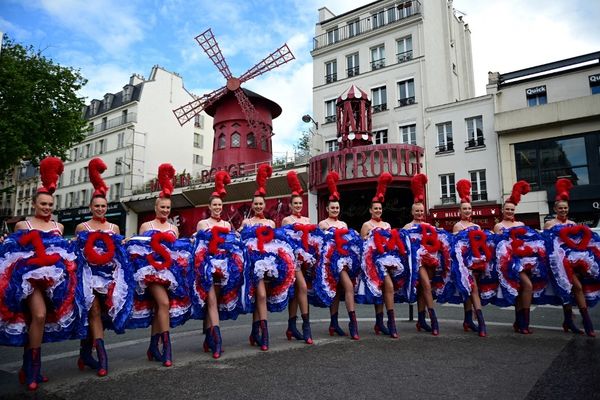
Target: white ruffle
(392, 263)
(64, 254)
(163, 274)
(11, 258)
(56, 275)
(465, 272)
(119, 295)
(87, 283)
(220, 265)
(266, 267)
(342, 263)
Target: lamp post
(306, 118)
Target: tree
(303, 145)
(40, 112)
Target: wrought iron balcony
(377, 64)
(376, 21)
(330, 118)
(448, 199)
(379, 108)
(353, 71)
(445, 148)
(475, 143)
(331, 78)
(407, 101)
(113, 123)
(482, 196)
(404, 57)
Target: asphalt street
(548, 364)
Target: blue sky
(108, 40)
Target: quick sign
(594, 79)
(535, 91)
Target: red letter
(477, 239)
(264, 234)
(163, 251)
(306, 229)
(517, 244)
(93, 256)
(430, 238)
(396, 242)
(216, 238)
(340, 242)
(567, 232)
(41, 258)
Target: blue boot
(264, 328)
(306, 333)
(391, 324)
(568, 323)
(481, 322)
(334, 326)
(153, 353)
(422, 323)
(102, 357)
(215, 334)
(292, 331)
(30, 373)
(379, 326)
(468, 323)
(254, 337)
(587, 322)
(85, 355)
(353, 325)
(167, 358)
(435, 330)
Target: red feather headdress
(520, 188)
(463, 187)
(264, 173)
(294, 183)
(332, 179)
(50, 169)
(563, 187)
(166, 172)
(95, 168)
(382, 183)
(417, 185)
(222, 178)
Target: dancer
(574, 257)
(340, 263)
(471, 261)
(270, 265)
(107, 276)
(219, 269)
(160, 262)
(307, 241)
(39, 294)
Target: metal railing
(379, 108)
(479, 196)
(354, 71)
(113, 123)
(330, 118)
(444, 148)
(448, 199)
(404, 57)
(368, 24)
(474, 143)
(330, 78)
(406, 101)
(377, 64)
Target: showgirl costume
(574, 250)
(106, 273)
(218, 260)
(269, 258)
(39, 259)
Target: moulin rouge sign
(366, 162)
(206, 175)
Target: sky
(109, 40)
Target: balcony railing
(113, 123)
(353, 71)
(444, 148)
(404, 57)
(407, 101)
(475, 143)
(331, 78)
(479, 196)
(377, 64)
(448, 199)
(368, 24)
(379, 108)
(330, 118)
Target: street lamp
(307, 118)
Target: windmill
(210, 46)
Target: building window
(120, 140)
(353, 28)
(474, 131)
(352, 66)
(263, 144)
(406, 92)
(199, 121)
(197, 159)
(235, 139)
(406, 9)
(332, 36)
(478, 185)
(404, 49)
(542, 162)
(331, 71)
(408, 134)
(377, 19)
(123, 117)
(332, 145)
(100, 146)
(447, 189)
(73, 155)
(222, 142)
(330, 111)
(88, 150)
(86, 176)
(72, 177)
(536, 96)
(380, 136)
(84, 197)
(119, 166)
(445, 143)
(251, 141)
(198, 142)
(117, 191)
(57, 202)
(594, 83)
(379, 99)
(104, 124)
(377, 57)
(391, 15)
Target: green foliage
(40, 112)
(303, 144)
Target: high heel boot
(167, 357)
(353, 326)
(85, 355)
(102, 357)
(30, 372)
(481, 322)
(435, 330)
(587, 322)
(422, 323)
(264, 328)
(379, 326)
(153, 353)
(215, 333)
(334, 326)
(391, 324)
(306, 333)
(254, 337)
(468, 323)
(292, 331)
